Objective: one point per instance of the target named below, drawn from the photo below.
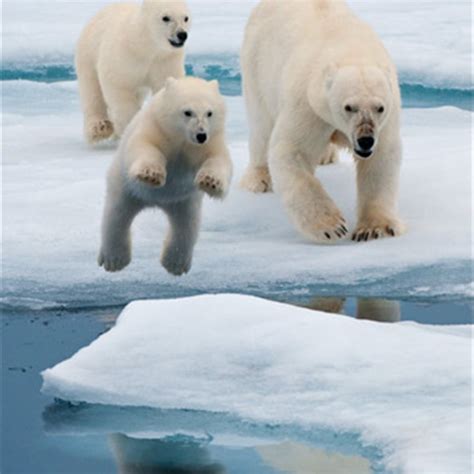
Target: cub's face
(168, 22)
(194, 109)
(360, 100)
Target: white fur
(161, 164)
(303, 63)
(122, 54)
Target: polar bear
(172, 152)
(315, 76)
(126, 51)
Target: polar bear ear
(215, 85)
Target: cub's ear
(215, 85)
(170, 83)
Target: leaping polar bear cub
(313, 75)
(172, 152)
(124, 52)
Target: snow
(430, 40)
(405, 388)
(53, 191)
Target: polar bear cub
(126, 51)
(173, 151)
(314, 75)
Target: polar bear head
(168, 22)
(358, 103)
(193, 109)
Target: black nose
(182, 36)
(201, 137)
(366, 143)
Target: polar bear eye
(381, 110)
(209, 114)
(186, 19)
(188, 113)
(166, 19)
(348, 108)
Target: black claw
(327, 235)
(338, 234)
(353, 237)
(361, 236)
(366, 236)
(391, 232)
(345, 229)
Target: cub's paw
(373, 229)
(257, 180)
(176, 263)
(151, 175)
(99, 130)
(212, 185)
(114, 260)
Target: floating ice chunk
(405, 389)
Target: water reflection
(293, 458)
(152, 441)
(380, 310)
(154, 456)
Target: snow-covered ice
(405, 388)
(54, 185)
(430, 40)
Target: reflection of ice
(386, 311)
(293, 458)
(269, 362)
(150, 456)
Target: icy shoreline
(271, 362)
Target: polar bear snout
(365, 146)
(201, 138)
(181, 37)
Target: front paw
(114, 259)
(322, 223)
(151, 175)
(377, 228)
(211, 184)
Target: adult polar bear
(313, 75)
(125, 51)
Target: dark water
(41, 435)
(226, 69)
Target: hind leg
(97, 125)
(184, 218)
(257, 177)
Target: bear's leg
(308, 205)
(377, 184)
(123, 104)
(120, 210)
(184, 218)
(97, 125)
(257, 177)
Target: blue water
(226, 70)
(43, 324)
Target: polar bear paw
(257, 180)
(176, 263)
(209, 183)
(153, 176)
(377, 228)
(114, 260)
(330, 157)
(322, 224)
(99, 130)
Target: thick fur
(123, 53)
(160, 163)
(314, 77)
